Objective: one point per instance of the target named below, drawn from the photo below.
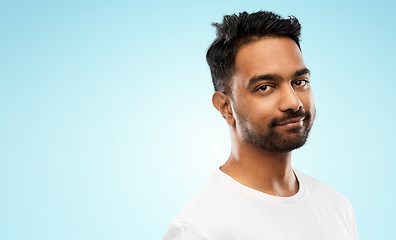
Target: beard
(269, 138)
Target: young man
(262, 90)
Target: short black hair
(237, 30)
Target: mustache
(290, 114)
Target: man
(262, 90)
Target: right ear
(222, 103)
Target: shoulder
(206, 200)
(179, 230)
(193, 217)
(327, 199)
(326, 194)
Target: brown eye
(264, 88)
(300, 83)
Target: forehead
(274, 55)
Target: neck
(261, 170)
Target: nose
(289, 100)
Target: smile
(295, 122)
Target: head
(238, 30)
(261, 82)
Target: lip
(294, 122)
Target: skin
(260, 102)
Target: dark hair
(237, 30)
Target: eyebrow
(272, 77)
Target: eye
(264, 88)
(301, 83)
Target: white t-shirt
(227, 210)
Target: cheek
(309, 105)
(308, 101)
(258, 110)
(263, 110)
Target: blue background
(107, 126)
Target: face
(271, 95)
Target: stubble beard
(270, 138)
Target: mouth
(291, 123)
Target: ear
(222, 102)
